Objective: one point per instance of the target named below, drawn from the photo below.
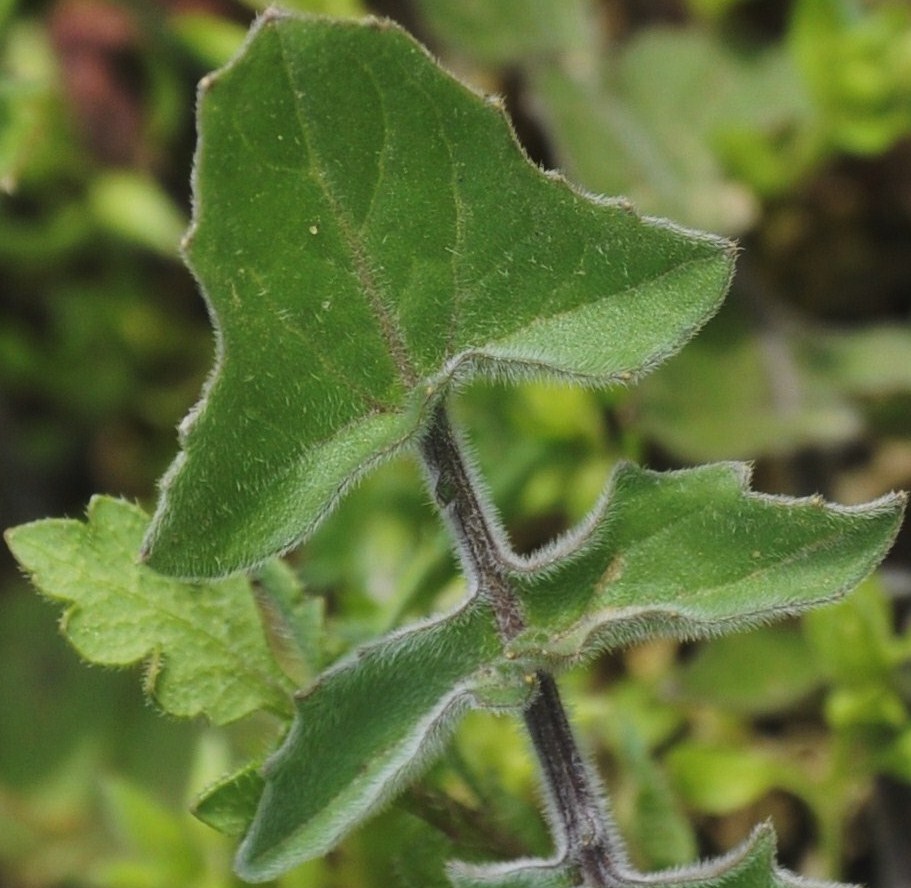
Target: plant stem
(580, 823)
(458, 495)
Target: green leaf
(869, 361)
(367, 233)
(26, 107)
(659, 832)
(692, 554)
(202, 645)
(853, 642)
(752, 865)
(854, 62)
(364, 730)
(230, 805)
(136, 208)
(212, 40)
(745, 390)
(293, 622)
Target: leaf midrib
(366, 275)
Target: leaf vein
(365, 273)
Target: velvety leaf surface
(367, 230)
(361, 732)
(752, 865)
(203, 646)
(694, 553)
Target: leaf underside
(203, 646)
(368, 232)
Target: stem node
(581, 825)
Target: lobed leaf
(752, 865)
(364, 730)
(368, 232)
(203, 646)
(691, 554)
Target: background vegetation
(787, 124)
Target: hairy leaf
(203, 646)
(362, 731)
(752, 865)
(367, 232)
(692, 554)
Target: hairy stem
(580, 823)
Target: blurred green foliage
(788, 124)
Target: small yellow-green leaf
(292, 621)
(853, 642)
(203, 645)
